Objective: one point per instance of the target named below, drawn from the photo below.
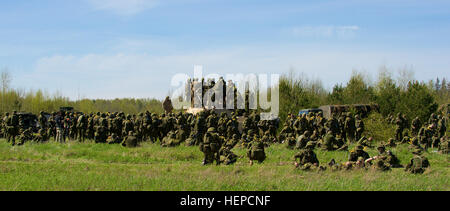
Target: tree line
(404, 94)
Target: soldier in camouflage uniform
(42, 120)
(290, 141)
(358, 152)
(130, 140)
(285, 132)
(227, 156)
(256, 151)
(306, 156)
(359, 127)
(418, 163)
(441, 128)
(41, 136)
(26, 135)
(415, 126)
(170, 140)
(350, 128)
(303, 140)
(387, 157)
(12, 125)
(232, 127)
(210, 147)
(101, 131)
(128, 126)
(73, 126)
(331, 143)
(82, 124)
(400, 123)
(444, 145)
(333, 125)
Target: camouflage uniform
(350, 129)
(170, 140)
(130, 141)
(415, 126)
(330, 143)
(418, 163)
(256, 151)
(113, 139)
(444, 145)
(82, 127)
(227, 156)
(302, 140)
(359, 128)
(12, 125)
(26, 135)
(41, 136)
(400, 126)
(306, 156)
(210, 147)
(358, 152)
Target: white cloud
(123, 7)
(325, 31)
(144, 75)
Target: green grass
(89, 166)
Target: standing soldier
(415, 126)
(441, 128)
(128, 126)
(51, 131)
(350, 129)
(400, 123)
(42, 120)
(82, 127)
(73, 126)
(90, 127)
(359, 127)
(59, 124)
(13, 127)
(66, 123)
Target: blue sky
(132, 48)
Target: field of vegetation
(89, 166)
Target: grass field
(89, 166)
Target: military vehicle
(311, 110)
(362, 109)
(28, 120)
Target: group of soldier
(306, 132)
(217, 134)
